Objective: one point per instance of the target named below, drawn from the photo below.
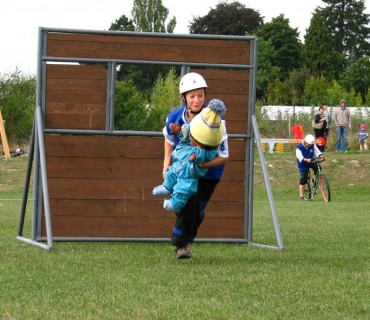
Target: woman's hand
(213, 163)
(202, 165)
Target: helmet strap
(193, 112)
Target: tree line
(332, 63)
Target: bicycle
(317, 181)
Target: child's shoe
(161, 191)
(167, 204)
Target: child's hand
(175, 128)
(192, 157)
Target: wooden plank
(236, 112)
(148, 48)
(136, 208)
(224, 75)
(108, 168)
(76, 71)
(86, 188)
(119, 147)
(232, 87)
(76, 97)
(76, 109)
(236, 105)
(73, 83)
(114, 168)
(4, 140)
(133, 39)
(135, 227)
(237, 127)
(227, 228)
(72, 121)
(104, 146)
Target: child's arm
(198, 155)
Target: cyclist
(305, 152)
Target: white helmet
(310, 139)
(191, 81)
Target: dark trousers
(326, 133)
(189, 219)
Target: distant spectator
(327, 117)
(362, 136)
(342, 120)
(319, 118)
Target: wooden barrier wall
(101, 186)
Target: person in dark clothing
(319, 118)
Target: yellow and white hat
(207, 127)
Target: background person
(342, 120)
(362, 136)
(319, 118)
(327, 117)
(188, 220)
(305, 152)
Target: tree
(296, 85)
(348, 25)
(316, 91)
(122, 24)
(357, 76)
(148, 16)
(277, 93)
(151, 16)
(286, 43)
(227, 19)
(266, 71)
(336, 92)
(291, 91)
(130, 107)
(164, 98)
(18, 100)
(318, 51)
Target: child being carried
(198, 143)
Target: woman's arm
(213, 163)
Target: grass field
(324, 272)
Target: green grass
(322, 274)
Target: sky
(20, 20)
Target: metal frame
(37, 147)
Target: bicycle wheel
(324, 186)
(307, 188)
